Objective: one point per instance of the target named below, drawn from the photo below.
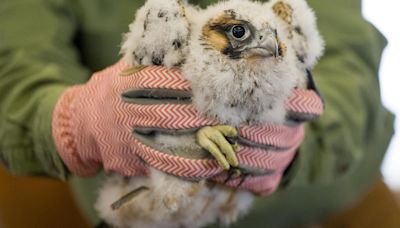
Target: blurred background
(385, 15)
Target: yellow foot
(213, 140)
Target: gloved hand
(265, 150)
(92, 125)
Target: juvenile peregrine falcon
(242, 59)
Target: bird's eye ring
(239, 32)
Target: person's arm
(348, 78)
(38, 62)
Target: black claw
(232, 140)
(232, 173)
(244, 177)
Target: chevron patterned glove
(92, 128)
(92, 125)
(163, 107)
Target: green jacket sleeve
(37, 63)
(348, 78)
(343, 150)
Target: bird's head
(238, 37)
(240, 67)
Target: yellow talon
(227, 130)
(213, 140)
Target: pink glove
(92, 127)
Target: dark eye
(238, 32)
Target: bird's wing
(298, 23)
(159, 35)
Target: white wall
(385, 15)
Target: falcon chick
(242, 59)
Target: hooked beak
(264, 46)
